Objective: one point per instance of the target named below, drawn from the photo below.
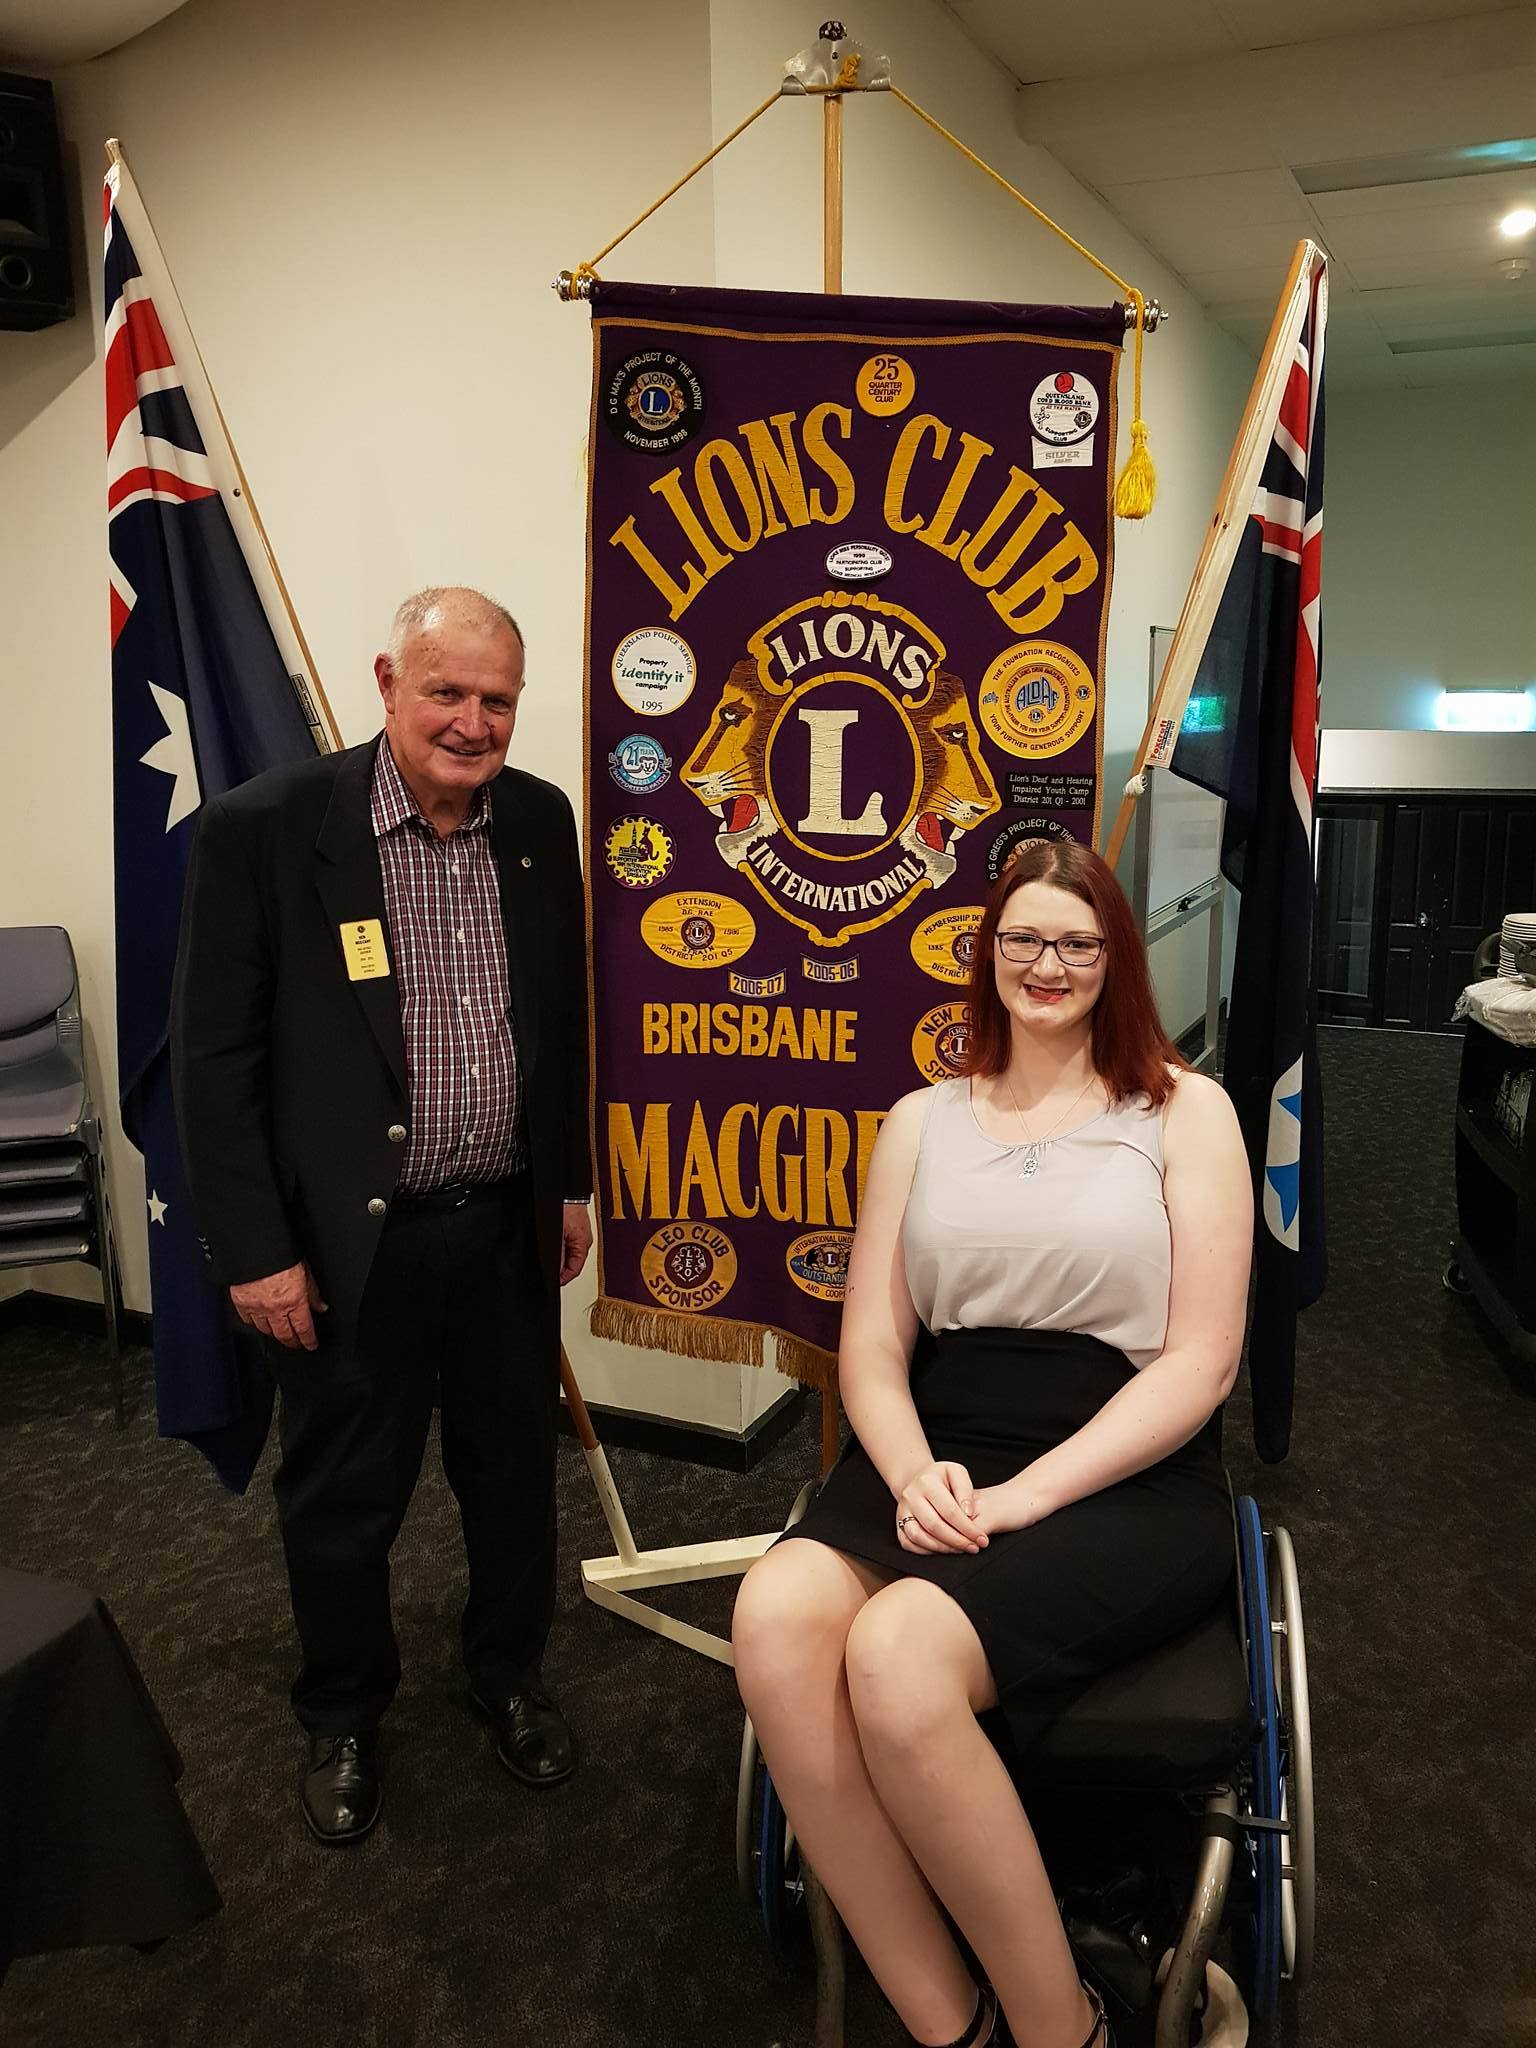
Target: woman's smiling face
(1047, 994)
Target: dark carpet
(604, 1915)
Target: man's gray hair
(448, 604)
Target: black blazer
(289, 1077)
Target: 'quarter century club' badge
(654, 402)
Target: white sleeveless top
(1082, 1245)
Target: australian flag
(201, 699)
(1255, 744)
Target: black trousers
(456, 1315)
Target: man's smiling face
(450, 705)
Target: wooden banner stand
(612, 1581)
(829, 69)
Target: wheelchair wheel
(767, 1867)
(1299, 1873)
(1260, 1939)
(774, 1884)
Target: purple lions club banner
(849, 570)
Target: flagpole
(1234, 501)
(832, 284)
(327, 734)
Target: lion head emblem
(727, 770)
(957, 789)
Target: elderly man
(379, 1043)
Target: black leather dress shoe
(342, 1793)
(532, 1738)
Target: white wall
(362, 205)
(1429, 550)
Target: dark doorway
(1408, 886)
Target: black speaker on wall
(36, 289)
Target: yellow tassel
(1137, 488)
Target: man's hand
(575, 1240)
(280, 1306)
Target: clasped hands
(938, 1511)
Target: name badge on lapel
(362, 945)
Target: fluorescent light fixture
(1520, 222)
(1438, 344)
(1417, 167)
(1486, 711)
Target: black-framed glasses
(1077, 949)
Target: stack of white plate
(1519, 930)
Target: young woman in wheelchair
(1034, 1498)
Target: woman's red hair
(1132, 1054)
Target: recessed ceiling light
(1520, 222)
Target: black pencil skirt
(1090, 1586)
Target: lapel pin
(527, 863)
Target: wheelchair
(1196, 1759)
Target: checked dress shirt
(444, 903)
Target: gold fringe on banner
(659, 1329)
(807, 1363)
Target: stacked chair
(53, 1191)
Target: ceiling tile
(1128, 152)
(1464, 365)
(1413, 270)
(1236, 199)
(1495, 190)
(1469, 231)
(1198, 150)
(1106, 37)
(1306, 21)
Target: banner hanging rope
(1136, 489)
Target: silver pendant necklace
(1035, 1148)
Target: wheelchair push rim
(746, 1803)
(1299, 1874)
(1263, 1790)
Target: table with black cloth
(94, 1845)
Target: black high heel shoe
(989, 2029)
(1100, 2034)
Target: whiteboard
(1184, 821)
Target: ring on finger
(902, 1521)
